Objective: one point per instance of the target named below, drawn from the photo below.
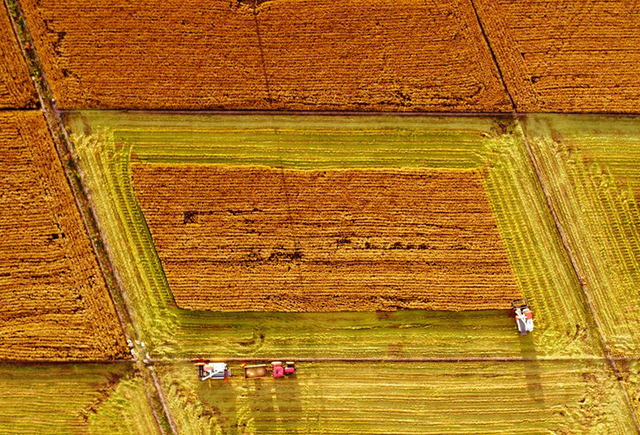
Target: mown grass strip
(587, 161)
(108, 141)
(407, 398)
(70, 399)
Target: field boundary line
(254, 13)
(493, 56)
(69, 161)
(285, 112)
(434, 359)
(585, 292)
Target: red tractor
(278, 369)
(281, 370)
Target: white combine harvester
(524, 316)
(209, 370)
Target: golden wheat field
(268, 239)
(16, 89)
(402, 55)
(283, 54)
(55, 305)
(560, 56)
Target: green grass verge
(591, 166)
(73, 399)
(108, 141)
(403, 398)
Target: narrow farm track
(68, 159)
(513, 115)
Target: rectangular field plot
(73, 399)
(561, 57)
(591, 166)
(403, 398)
(382, 55)
(630, 372)
(266, 239)
(55, 304)
(378, 55)
(111, 144)
(184, 55)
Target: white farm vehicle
(524, 316)
(209, 370)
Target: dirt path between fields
(434, 359)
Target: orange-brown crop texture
(53, 299)
(266, 239)
(397, 55)
(405, 55)
(16, 89)
(564, 56)
(149, 54)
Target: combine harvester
(524, 316)
(209, 370)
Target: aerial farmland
(285, 217)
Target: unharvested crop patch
(16, 89)
(266, 239)
(54, 300)
(404, 398)
(378, 55)
(567, 57)
(300, 55)
(174, 54)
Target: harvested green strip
(592, 168)
(72, 399)
(107, 142)
(403, 398)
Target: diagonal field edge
(64, 147)
(579, 276)
(493, 56)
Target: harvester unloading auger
(524, 316)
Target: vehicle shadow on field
(275, 404)
(532, 369)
